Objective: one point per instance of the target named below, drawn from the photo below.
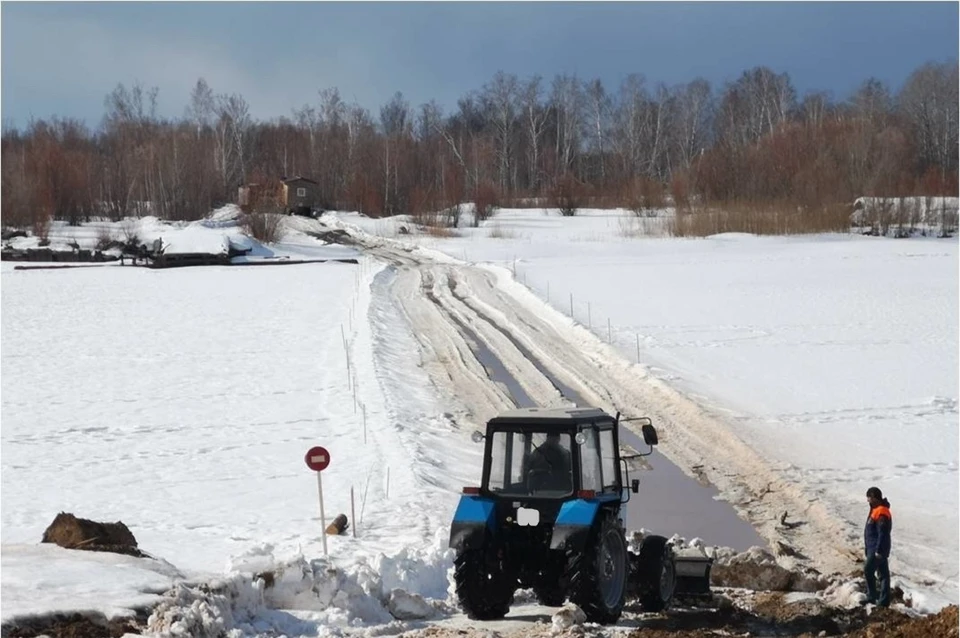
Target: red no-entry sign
(317, 458)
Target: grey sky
(63, 58)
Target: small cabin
(295, 195)
(300, 195)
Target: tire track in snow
(690, 436)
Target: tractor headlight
(477, 436)
(581, 438)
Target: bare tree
(202, 106)
(600, 105)
(500, 96)
(397, 124)
(694, 113)
(929, 101)
(567, 101)
(535, 120)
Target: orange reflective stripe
(880, 510)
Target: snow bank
(570, 615)
(41, 579)
(410, 585)
(923, 211)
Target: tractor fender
(573, 524)
(473, 523)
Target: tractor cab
(552, 454)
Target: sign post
(318, 459)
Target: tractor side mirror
(649, 434)
(635, 486)
(477, 436)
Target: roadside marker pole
(571, 307)
(317, 459)
(353, 513)
(638, 349)
(363, 501)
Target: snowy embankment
(835, 356)
(182, 403)
(215, 234)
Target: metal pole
(638, 348)
(353, 513)
(363, 502)
(571, 306)
(346, 351)
(323, 516)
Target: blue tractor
(548, 516)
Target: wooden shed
(294, 195)
(300, 195)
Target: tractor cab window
(590, 462)
(608, 455)
(531, 464)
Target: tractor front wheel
(598, 574)
(482, 588)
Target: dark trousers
(877, 569)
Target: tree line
(513, 141)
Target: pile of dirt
(73, 626)
(886, 623)
(71, 532)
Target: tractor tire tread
(649, 567)
(584, 588)
(478, 603)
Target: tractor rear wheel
(483, 591)
(656, 573)
(598, 574)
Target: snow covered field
(836, 357)
(182, 402)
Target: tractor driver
(549, 466)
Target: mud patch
(886, 623)
(75, 626)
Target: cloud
(67, 65)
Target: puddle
(669, 501)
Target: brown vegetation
(750, 148)
(774, 218)
(264, 226)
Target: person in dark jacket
(876, 537)
(548, 467)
